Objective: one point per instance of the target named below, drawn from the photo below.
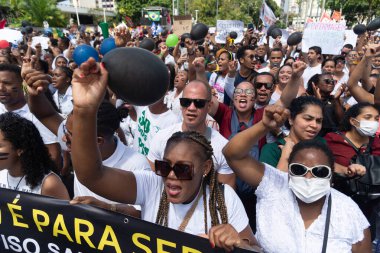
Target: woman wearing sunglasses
(304, 123)
(321, 87)
(183, 194)
(298, 211)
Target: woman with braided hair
(182, 194)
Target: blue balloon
(83, 52)
(107, 45)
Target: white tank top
(19, 183)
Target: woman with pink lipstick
(305, 122)
(25, 164)
(182, 193)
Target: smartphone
(250, 26)
(184, 52)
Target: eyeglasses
(329, 81)
(319, 171)
(267, 86)
(198, 102)
(182, 171)
(239, 91)
(252, 57)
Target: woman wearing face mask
(359, 125)
(182, 193)
(304, 123)
(293, 209)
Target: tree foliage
(356, 11)
(35, 11)
(247, 11)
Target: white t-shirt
(217, 82)
(310, 72)
(47, 136)
(172, 102)
(123, 158)
(218, 142)
(148, 124)
(19, 183)
(280, 227)
(65, 103)
(150, 187)
(129, 128)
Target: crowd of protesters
(252, 145)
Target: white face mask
(367, 127)
(309, 190)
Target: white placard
(42, 40)
(11, 35)
(350, 38)
(224, 27)
(328, 36)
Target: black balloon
(25, 23)
(147, 44)
(136, 75)
(269, 31)
(233, 35)
(294, 39)
(29, 29)
(199, 31)
(374, 25)
(359, 29)
(276, 32)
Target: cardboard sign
(224, 27)
(328, 36)
(350, 37)
(182, 24)
(39, 224)
(42, 40)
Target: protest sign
(31, 223)
(42, 40)
(350, 37)
(328, 36)
(224, 27)
(182, 24)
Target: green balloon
(172, 40)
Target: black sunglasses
(319, 171)
(329, 81)
(182, 171)
(267, 86)
(198, 102)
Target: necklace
(16, 188)
(190, 212)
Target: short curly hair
(24, 135)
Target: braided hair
(216, 198)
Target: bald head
(202, 87)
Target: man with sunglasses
(195, 104)
(246, 55)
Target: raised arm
(237, 149)
(291, 89)
(89, 86)
(37, 83)
(359, 93)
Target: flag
(154, 15)
(267, 15)
(336, 16)
(325, 18)
(2, 23)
